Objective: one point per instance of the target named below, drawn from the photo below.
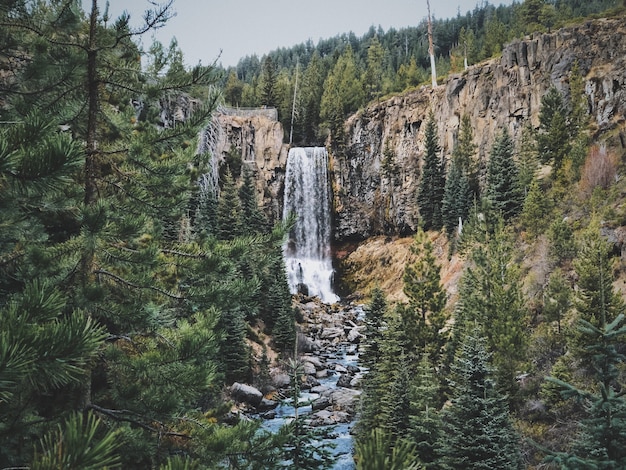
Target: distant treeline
(339, 75)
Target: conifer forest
(148, 319)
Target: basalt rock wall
(257, 137)
(374, 195)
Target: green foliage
(477, 430)
(373, 76)
(376, 452)
(343, 93)
(425, 422)
(491, 297)
(562, 243)
(433, 180)
(302, 449)
(553, 137)
(457, 199)
(536, 210)
(424, 317)
(557, 299)
(503, 190)
(374, 325)
(599, 443)
(78, 444)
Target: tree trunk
(91, 159)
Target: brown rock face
(257, 136)
(499, 94)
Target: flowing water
(308, 198)
(339, 434)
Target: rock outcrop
(257, 136)
(498, 94)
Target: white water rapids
(307, 196)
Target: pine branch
(128, 283)
(122, 415)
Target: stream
(334, 375)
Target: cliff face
(257, 136)
(372, 198)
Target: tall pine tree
(432, 184)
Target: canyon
(501, 93)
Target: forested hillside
(339, 75)
(139, 281)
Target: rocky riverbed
(328, 340)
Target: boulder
(281, 380)
(320, 403)
(246, 394)
(344, 381)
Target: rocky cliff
(257, 136)
(500, 93)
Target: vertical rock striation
(376, 175)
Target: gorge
(502, 93)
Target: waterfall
(307, 196)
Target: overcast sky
(238, 28)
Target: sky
(228, 30)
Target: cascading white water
(307, 196)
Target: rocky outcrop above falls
(372, 198)
(257, 136)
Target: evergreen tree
(527, 161)
(302, 449)
(553, 138)
(228, 210)
(596, 301)
(465, 153)
(424, 318)
(252, 218)
(600, 442)
(311, 97)
(536, 210)
(476, 427)
(425, 421)
(375, 452)
(343, 93)
(562, 243)
(503, 190)
(490, 296)
(396, 404)
(374, 325)
(557, 299)
(432, 184)
(374, 71)
(269, 79)
(457, 199)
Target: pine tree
(465, 153)
(424, 318)
(536, 210)
(490, 296)
(600, 442)
(228, 210)
(553, 138)
(374, 325)
(527, 160)
(557, 299)
(503, 190)
(375, 452)
(596, 301)
(311, 97)
(432, 184)
(343, 93)
(476, 428)
(374, 72)
(425, 421)
(457, 199)
(269, 78)
(252, 218)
